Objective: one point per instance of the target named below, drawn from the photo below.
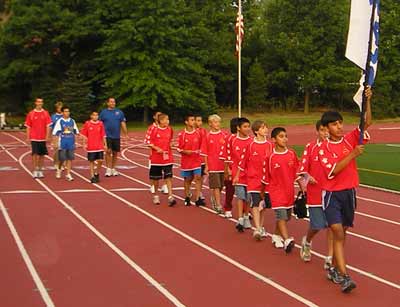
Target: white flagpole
(239, 65)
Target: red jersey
(223, 155)
(162, 138)
(203, 133)
(331, 153)
(235, 153)
(279, 173)
(38, 122)
(148, 133)
(95, 134)
(311, 166)
(190, 141)
(252, 163)
(212, 147)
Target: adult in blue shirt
(113, 120)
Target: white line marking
(35, 276)
(393, 145)
(378, 202)
(379, 218)
(389, 128)
(23, 192)
(119, 252)
(378, 188)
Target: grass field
(379, 166)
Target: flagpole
(367, 74)
(240, 66)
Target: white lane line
(361, 272)
(378, 202)
(389, 128)
(379, 218)
(9, 153)
(35, 276)
(201, 244)
(113, 247)
(23, 192)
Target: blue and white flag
(363, 41)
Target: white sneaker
(35, 174)
(114, 172)
(327, 262)
(246, 222)
(108, 172)
(69, 177)
(164, 189)
(40, 174)
(288, 245)
(257, 235)
(228, 214)
(305, 251)
(58, 173)
(263, 232)
(152, 189)
(277, 241)
(156, 199)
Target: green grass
(377, 158)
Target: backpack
(300, 209)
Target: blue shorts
(241, 192)
(317, 218)
(191, 173)
(339, 207)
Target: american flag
(239, 30)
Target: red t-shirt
(162, 138)
(235, 153)
(95, 134)
(252, 163)
(148, 133)
(331, 153)
(38, 122)
(190, 141)
(311, 166)
(203, 133)
(212, 147)
(279, 173)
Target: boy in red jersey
(223, 155)
(212, 146)
(198, 124)
(164, 188)
(95, 144)
(235, 150)
(280, 169)
(189, 146)
(313, 174)
(337, 158)
(161, 158)
(38, 128)
(252, 165)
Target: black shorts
(255, 198)
(66, 155)
(39, 148)
(114, 144)
(158, 172)
(97, 155)
(203, 168)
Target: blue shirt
(66, 130)
(54, 118)
(112, 122)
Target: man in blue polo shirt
(113, 120)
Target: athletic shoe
(228, 214)
(152, 189)
(93, 180)
(114, 172)
(202, 196)
(250, 216)
(97, 177)
(305, 251)
(69, 177)
(108, 172)
(218, 209)
(263, 232)
(187, 201)
(327, 262)
(347, 284)
(200, 202)
(156, 200)
(58, 173)
(35, 174)
(240, 225)
(334, 276)
(171, 201)
(277, 240)
(257, 235)
(246, 222)
(288, 245)
(164, 189)
(40, 174)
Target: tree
(257, 86)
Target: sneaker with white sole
(228, 214)
(171, 201)
(114, 172)
(69, 177)
(257, 235)
(40, 174)
(305, 251)
(288, 245)
(327, 262)
(58, 173)
(164, 189)
(334, 275)
(35, 174)
(156, 200)
(263, 232)
(347, 285)
(246, 222)
(277, 241)
(108, 172)
(240, 225)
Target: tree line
(178, 55)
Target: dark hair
(318, 125)
(330, 117)
(198, 115)
(64, 108)
(241, 121)
(257, 125)
(276, 131)
(234, 124)
(187, 116)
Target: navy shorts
(339, 207)
(317, 218)
(96, 155)
(114, 144)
